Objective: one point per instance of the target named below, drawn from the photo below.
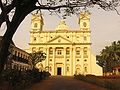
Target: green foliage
(38, 57)
(19, 80)
(109, 56)
(102, 82)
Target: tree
(37, 57)
(13, 13)
(109, 57)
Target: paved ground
(64, 83)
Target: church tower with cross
(68, 51)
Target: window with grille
(50, 51)
(59, 52)
(68, 51)
(85, 52)
(78, 51)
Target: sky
(104, 26)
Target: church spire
(84, 21)
(37, 22)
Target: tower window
(35, 25)
(34, 39)
(84, 24)
(85, 38)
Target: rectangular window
(85, 52)
(67, 52)
(50, 51)
(78, 51)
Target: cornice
(81, 31)
(60, 43)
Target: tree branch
(45, 7)
(7, 10)
(6, 18)
(117, 11)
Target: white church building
(68, 51)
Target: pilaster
(74, 59)
(54, 61)
(47, 58)
(65, 61)
(71, 62)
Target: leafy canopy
(109, 56)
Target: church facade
(68, 52)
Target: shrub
(20, 79)
(100, 82)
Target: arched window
(67, 69)
(78, 69)
(50, 68)
(35, 25)
(84, 24)
(85, 69)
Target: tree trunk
(4, 46)
(19, 16)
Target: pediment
(85, 17)
(35, 19)
(59, 39)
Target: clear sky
(105, 28)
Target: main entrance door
(59, 71)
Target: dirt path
(64, 83)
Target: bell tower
(37, 22)
(84, 21)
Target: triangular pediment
(35, 19)
(59, 39)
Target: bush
(100, 82)
(20, 79)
